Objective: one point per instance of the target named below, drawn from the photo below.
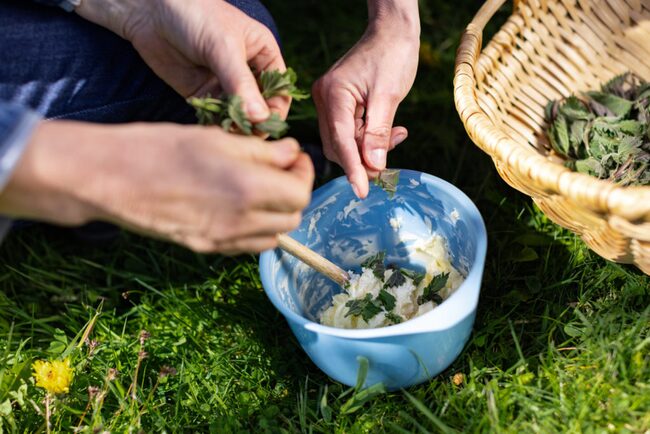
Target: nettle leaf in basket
(590, 166)
(576, 137)
(605, 133)
(558, 134)
(626, 86)
(612, 104)
(574, 108)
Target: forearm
(402, 15)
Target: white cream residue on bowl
(454, 215)
(395, 223)
(313, 221)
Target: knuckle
(379, 131)
(265, 34)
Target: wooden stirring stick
(313, 259)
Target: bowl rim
(434, 320)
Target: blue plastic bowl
(346, 230)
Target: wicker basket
(545, 50)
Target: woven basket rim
(630, 202)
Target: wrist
(51, 178)
(399, 17)
(116, 15)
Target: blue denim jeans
(64, 67)
(59, 66)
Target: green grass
(560, 342)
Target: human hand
(197, 47)
(197, 186)
(357, 100)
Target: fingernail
(397, 139)
(356, 190)
(378, 158)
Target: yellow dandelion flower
(54, 376)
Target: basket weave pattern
(548, 49)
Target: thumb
(377, 132)
(236, 78)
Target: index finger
(341, 109)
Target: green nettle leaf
(430, 292)
(355, 306)
(226, 124)
(273, 126)
(632, 127)
(365, 307)
(576, 137)
(229, 112)
(238, 116)
(274, 83)
(395, 279)
(388, 180)
(616, 106)
(386, 299)
(559, 135)
(207, 109)
(415, 276)
(376, 264)
(605, 133)
(574, 108)
(394, 318)
(590, 166)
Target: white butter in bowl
(385, 295)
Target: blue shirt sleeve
(16, 126)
